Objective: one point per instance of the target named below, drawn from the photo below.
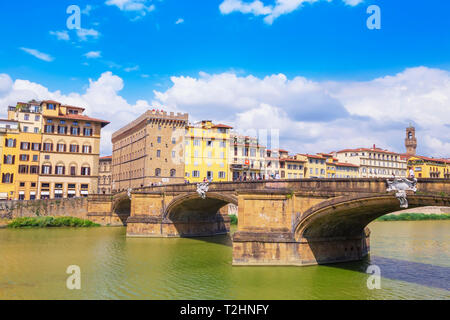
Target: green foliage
(414, 217)
(47, 222)
(234, 219)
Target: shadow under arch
(344, 220)
(122, 208)
(193, 216)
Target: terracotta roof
(73, 107)
(368, 150)
(291, 160)
(221, 126)
(80, 117)
(433, 159)
(105, 158)
(312, 156)
(51, 101)
(283, 151)
(341, 164)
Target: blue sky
(141, 43)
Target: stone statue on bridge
(401, 186)
(202, 188)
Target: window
(25, 146)
(173, 173)
(87, 132)
(75, 131)
(209, 143)
(48, 146)
(34, 170)
(9, 159)
(158, 153)
(73, 171)
(158, 172)
(85, 171)
(36, 130)
(222, 175)
(23, 169)
(24, 157)
(173, 154)
(25, 129)
(49, 128)
(62, 129)
(37, 118)
(46, 169)
(87, 149)
(51, 106)
(10, 143)
(61, 147)
(60, 170)
(158, 139)
(74, 148)
(36, 146)
(7, 177)
(26, 117)
(195, 173)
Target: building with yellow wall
(316, 166)
(207, 148)
(9, 134)
(425, 167)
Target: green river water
(414, 259)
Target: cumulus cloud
(310, 116)
(324, 116)
(272, 11)
(86, 34)
(101, 100)
(179, 21)
(37, 54)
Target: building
(207, 149)
(248, 158)
(105, 175)
(291, 167)
(425, 167)
(272, 164)
(316, 165)
(69, 153)
(53, 152)
(374, 162)
(149, 150)
(410, 141)
(336, 169)
(9, 137)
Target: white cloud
(61, 35)
(101, 100)
(93, 54)
(271, 12)
(311, 116)
(179, 21)
(85, 34)
(38, 54)
(141, 7)
(324, 116)
(129, 69)
(87, 10)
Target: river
(414, 259)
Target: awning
(84, 192)
(21, 192)
(32, 193)
(71, 192)
(58, 191)
(3, 195)
(45, 193)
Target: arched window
(85, 171)
(158, 172)
(173, 173)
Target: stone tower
(411, 141)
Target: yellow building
(291, 167)
(207, 148)
(316, 166)
(9, 134)
(26, 184)
(425, 167)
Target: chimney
(374, 146)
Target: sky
(311, 69)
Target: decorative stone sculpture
(129, 192)
(401, 186)
(202, 188)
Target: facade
(272, 164)
(207, 151)
(105, 175)
(69, 153)
(55, 153)
(425, 167)
(247, 158)
(9, 136)
(374, 162)
(316, 165)
(411, 141)
(149, 150)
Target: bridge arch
(122, 207)
(348, 216)
(192, 216)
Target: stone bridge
(281, 222)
